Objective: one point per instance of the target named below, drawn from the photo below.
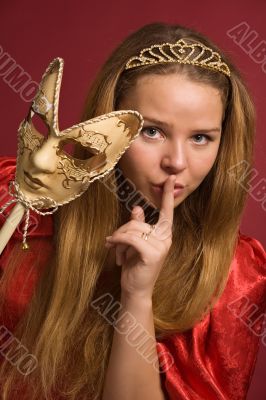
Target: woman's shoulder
(246, 284)
(247, 275)
(250, 252)
(7, 174)
(7, 169)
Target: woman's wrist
(141, 299)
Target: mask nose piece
(45, 159)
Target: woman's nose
(45, 158)
(174, 158)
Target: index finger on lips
(165, 220)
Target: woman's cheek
(204, 164)
(200, 170)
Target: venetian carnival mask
(48, 174)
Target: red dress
(213, 361)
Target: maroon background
(84, 33)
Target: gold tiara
(180, 52)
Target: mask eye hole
(68, 147)
(76, 150)
(39, 125)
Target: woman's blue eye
(201, 136)
(150, 131)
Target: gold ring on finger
(145, 235)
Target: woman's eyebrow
(156, 122)
(206, 130)
(166, 125)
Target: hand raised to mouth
(141, 249)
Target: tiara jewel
(180, 52)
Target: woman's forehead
(164, 97)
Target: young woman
(140, 288)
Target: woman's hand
(142, 260)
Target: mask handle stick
(10, 225)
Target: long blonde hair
(70, 339)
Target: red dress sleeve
(33, 261)
(216, 359)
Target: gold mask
(59, 176)
(48, 175)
